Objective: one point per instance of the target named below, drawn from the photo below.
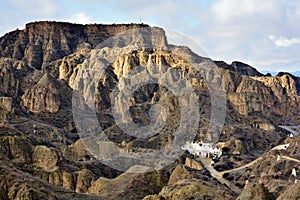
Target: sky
(264, 34)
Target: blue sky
(264, 34)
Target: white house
(217, 152)
(294, 173)
(200, 149)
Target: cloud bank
(283, 41)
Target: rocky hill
(43, 155)
(43, 42)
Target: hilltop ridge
(43, 42)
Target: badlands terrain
(45, 151)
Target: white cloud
(81, 18)
(16, 13)
(240, 30)
(37, 7)
(283, 41)
(228, 11)
(172, 14)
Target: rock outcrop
(239, 67)
(292, 193)
(84, 180)
(179, 173)
(17, 149)
(251, 96)
(6, 107)
(129, 185)
(43, 96)
(6, 104)
(255, 191)
(43, 42)
(16, 184)
(193, 164)
(7, 76)
(77, 151)
(189, 184)
(46, 96)
(45, 158)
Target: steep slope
(239, 67)
(43, 42)
(41, 66)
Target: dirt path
(214, 173)
(289, 158)
(295, 133)
(219, 175)
(242, 167)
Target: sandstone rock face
(68, 181)
(266, 95)
(6, 107)
(190, 190)
(179, 173)
(68, 67)
(16, 184)
(120, 68)
(7, 78)
(239, 67)
(281, 85)
(78, 181)
(245, 69)
(129, 185)
(76, 151)
(235, 146)
(193, 164)
(258, 94)
(267, 126)
(44, 96)
(24, 192)
(292, 193)
(53, 40)
(185, 183)
(15, 77)
(245, 103)
(265, 179)
(45, 158)
(55, 178)
(17, 149)
(255, 191)
(6, 104)
(246, 94)
(84, 180)
(251, 96)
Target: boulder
(45, 158)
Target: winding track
(219, 175)
(242, 167)
(290, 158)
(295, 133)
(214, 173)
